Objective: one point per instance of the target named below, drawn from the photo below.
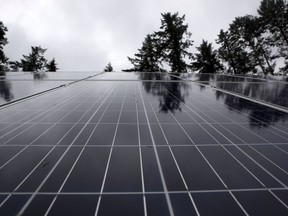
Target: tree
(51, 66)
(174, 41)
(147, 59)
(274, 18)
(108, 68)
(206, 59)
(232, 52)
(3, 42)
(34, 61)
(274, 15)
(15, 66)
(250, 36)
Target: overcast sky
(87, 34)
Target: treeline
(35, 61)
(251, 44)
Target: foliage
(274, 18)
(232, 52)
(3, 42)
(174, 41)
(15, 66)
(147, 59)
(169, 45)
(253, 42)
(51, 66)
(108, 68)
(34, 61)
(250, 35)
(206, 59)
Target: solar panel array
(142, 144)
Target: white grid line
(170, 208)
(109, 157)
(141, 166)
(140, 155)
(51, 171)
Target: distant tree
(15, 66)
(147, 59)
(108, 68)
(174, 41)
(51, 66)
(3, 42)
(34, 61)
(206, 59)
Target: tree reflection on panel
(5, 88)
(265, 90)
(259, 116)
(39, 75)
(171, 94)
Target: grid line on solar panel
(263, 168)
(250, 172)
(218, 103)
(272, 162)
(109, 159)
(39, 187)
(148, 192)
(181, 174)
(262, 138)
(44, 131)
(238, 124)
(80, 154)
(140, 155)
(234, 151)
(40, 115)
(157, 158)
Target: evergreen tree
(34, 61)
(147, 59)
(3, 42)
(206, 59)
(51, 66)
(108, 68)
(174, 41)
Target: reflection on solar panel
(143, 144)
(16, 85)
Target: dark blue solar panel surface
(17, 85)
(142, 144)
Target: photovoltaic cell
(143, 144)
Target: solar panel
(17, 85)
(144, 144)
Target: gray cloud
(87, 34)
